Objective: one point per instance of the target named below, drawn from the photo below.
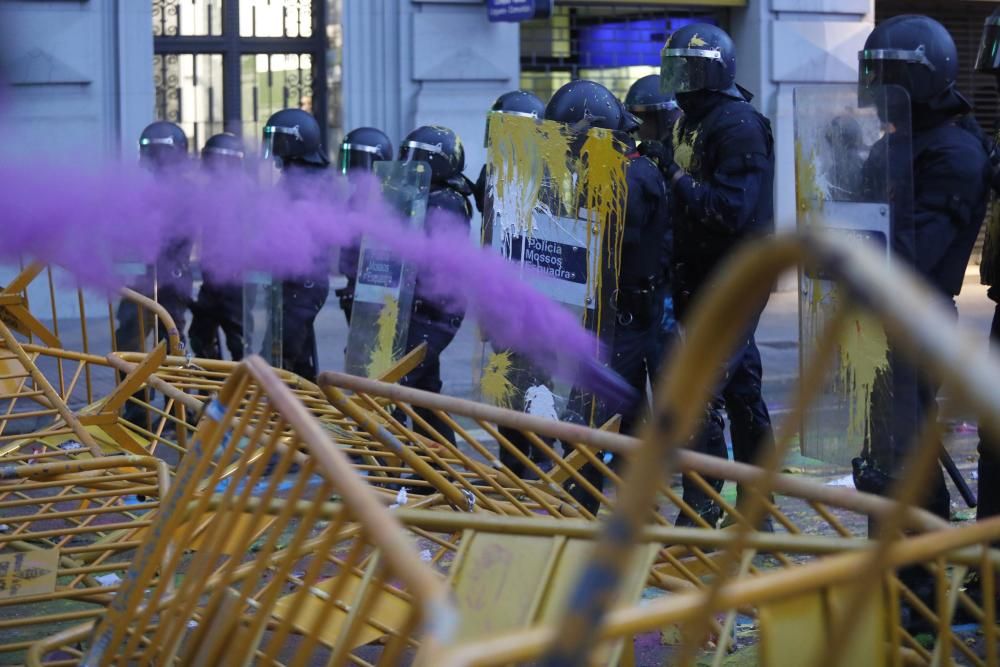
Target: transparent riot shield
(383, 293)
(168, 282)
(555, 205)
(262, 317)
(853, 176)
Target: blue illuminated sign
(518, 10)
(628, 43)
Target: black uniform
(951, 183)
(173, 285)
(989, 452)
(726, 199)
(433, 321)
(642, 282)
(219, 306)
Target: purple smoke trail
(86, 223)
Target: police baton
(956, 476)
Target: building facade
(90, 74)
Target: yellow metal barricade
(920, 325)
(263, 586)
(69, 531)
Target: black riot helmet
(162, 144)
(223, 151)
(699, 57)
(439, 147)
(520, 103)
(293, 135)
(517, 103)
(910, 51)
(654, 107)
(586, 104)
(988, 60)
(363, 147)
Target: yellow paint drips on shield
(383, 353)
(605, 194)
(864, 348)
(495, 384)
(522, 155)
(864, 352)
(550, 170)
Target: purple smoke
(88, 222)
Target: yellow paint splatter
(383, 353)
(684, 143)
(522, 155)
(495, 384)
(696, 41)
(864, 353)
(809, 196)
(532, 166)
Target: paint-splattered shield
(853, 175)
(383, 294)
(555, 206)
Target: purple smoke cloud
(89, 222)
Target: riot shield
(262, 317)
(383, 293)
(853, 176)
(555, 207)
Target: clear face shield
(417, 151)
(989, 47)
(161, 153)
(222, 160)
(358, 156)
(887, 67)
(689, 70)
(656, 119)
(279, 142)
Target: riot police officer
(219, 305)
(292, 139)
(584, 105)
(951, 177)
(359, 151)
(659, 112)
(950, 190)
(989, 452)
(433, 320)
(720, 168)
(163, 150)
(516, 103)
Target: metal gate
(613, 45)
(229, 64)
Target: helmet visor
(218, 158)
(416, 151)
(280, 142)
(884, 67)
(989, 47)
(689, 70)
(159, 152)
(358, 156)
(890, 67)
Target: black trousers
(438, 334)
(989, 453)
(217, 308)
